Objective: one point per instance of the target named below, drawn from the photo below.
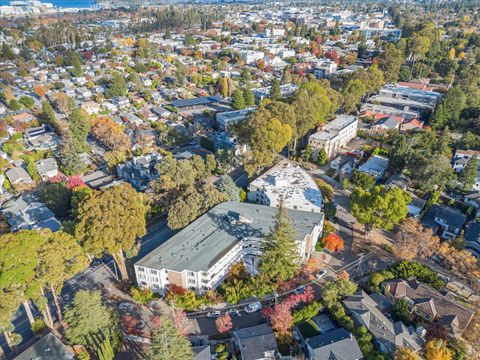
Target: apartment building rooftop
(199, 245)
(333, 127)
(288, 181)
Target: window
(153, 272)
(191, 281)
(190, 273)
(155, 286)
(141, 269)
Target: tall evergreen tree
(275, 91)
(78, 127)
(48, 115)
(167, 343)
(238, 101)
(469, 174)
(249, 98)
(281, 258)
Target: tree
(167, 343)
(27, 101)
(280, 259)
(405, 354)
(363, 180)
(62, 102)
(110, 134)
(68, 156)
(249, 98)
(390, 62)
(281, 319)
(238, 101)
(450, 108)
(437, 350)
(87, 317)
(6, 52)
(472, 332)
(228, 187)
(78, 128)
(311, 104)
(60, 258)
(224, 87)
(469, 173)
(401, 311)
(412, 240)
(224, 323)
(322, 158)
(461, 262)
(334, 291)
(352, 94)
(117, 86)
(333, 242)
(380, 206)
(275, 91)
(48, 115)
(57, 197)
(101, 225)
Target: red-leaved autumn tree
(333, 242)
(224, 323)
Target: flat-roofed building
(199, 256)
(336, 134)
(288, 182)
(229, 118)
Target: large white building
(288, 182)
(199, 256)
(336, 134)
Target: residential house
(385, 125)
(47, 168)
(162, 112)
(49, 347)
(18, 176)
(375, 166)
(472, 237)
(200, 255)
(461, 158)
(99, 180)
(140, 171)
(334, 344)
(446, 219)
(411, 125)
(256, 343)
(91, 107)
(388, 335)
(41, 138)
(26, 212)
(334, 136)
(343, 164)
(120, 102)
(289, 183)
(202, 352)
(430, 305)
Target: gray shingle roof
(199, 245)
(255, 341)
(47, 348)
(335, 344)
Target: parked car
(321, 273)
(214, 314)
(125, 306)
(234, 312)
(253, 307)
(299, 290)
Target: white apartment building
(288, 182)
(251, 56)
(334, 136)
(199, 256)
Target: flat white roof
(334, 127)
(294, 185)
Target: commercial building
(288, 182)
(334, 136)
(199, 256)
(229, 118)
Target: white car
(214, 314)
(253, 307)
(321, 274)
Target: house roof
(472, 234)
(336, 344)
(196, 101)
(17, 174)
(203, 242)
(201, 352)
(255, 341)
(451, 216)
(441, 307)
(47, 348)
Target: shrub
(142, 296)
(39, 327)
(307, 312)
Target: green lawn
(308, 329)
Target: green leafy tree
(27, 101)
(380, 207)
(48, 115)
(363, 180)
(352, 94)
(167, 343)
(249, 98)
(117, 86)
(7, 52)
(101, 225)
(14, 105)
(228, 187)
(78, 128)
(275, 91)
(87, 317)
(238, 101)
(322, 158)
(401, 311)
(469, 173)
(281, 258)
(68, 156)
(390, 61)
(60, 258)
